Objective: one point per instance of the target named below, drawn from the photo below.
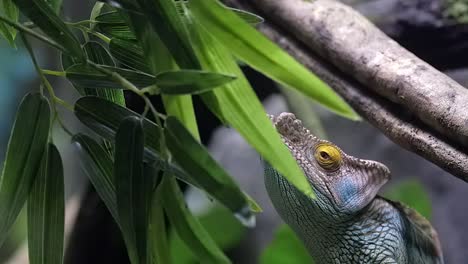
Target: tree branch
(413, 104)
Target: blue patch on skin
(346, 190)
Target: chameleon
(347, 221)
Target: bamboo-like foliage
(167, 48)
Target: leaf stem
(32, 33)
(81, 23)
(64, 127)
(63, 103)
(101, 36)
(45, 83)
(54, 73)
(129, 86)
(44, 80)
(117, 77)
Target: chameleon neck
(373, 235)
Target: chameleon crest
(348, 222)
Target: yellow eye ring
(328, 156)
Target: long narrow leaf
(95, 12)
(133, 189)
(112, 24)
(83, 75)
(166, 21)
(223, 228)
(238, 106)
(26, 146)
(158, 233)
(56, 5)
(129, 54)
(46, 211)
(194, 158)
(188, 227)
(126, 4)
(262, 54)
(190, 81)
(10, 10)
(181, 107)
(104, 118)
(248, 17)
(46, 19)
(98, 166)
(96, 53)
(159, 59)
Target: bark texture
(416, 106)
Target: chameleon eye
(328, 156)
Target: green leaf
(155, 53)
(129, 54)
(113, 24)
(188, 82)
(55, 4)
(97, 165)
(104, 118)
(45, 18)
(248, 17)
(160, 60)
(158, 237)
(46, 211)
(6, 33)
(196, 160)
(181, 107)
(8, 9)
(95, 12)
(26, 146)
(123, 4)
(238, 105)
(259, 52)
(285, 248)
(166, 21)
(187, 226)
(133, 188)
(84, 75)
(96, 53)
(413, 194)
(220, 224)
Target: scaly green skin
(347, 222)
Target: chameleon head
(342, 183)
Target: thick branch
(393, 120)
(380, 113)
(350, 42)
